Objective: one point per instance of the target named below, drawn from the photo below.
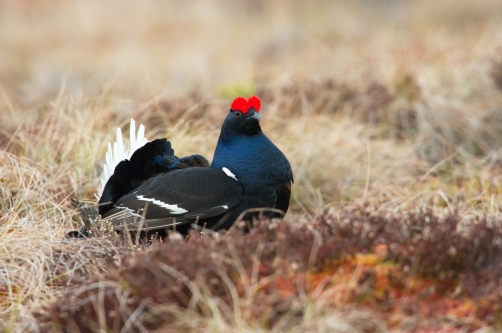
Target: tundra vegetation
(390, 113)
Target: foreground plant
(411, 271)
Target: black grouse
(156, 189)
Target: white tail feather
(120, 153)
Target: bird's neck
(240, 153)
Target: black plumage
(189, 194)
(155, 189)
(152, 159)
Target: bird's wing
(177, 197)
(283, 190)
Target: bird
(154, 189)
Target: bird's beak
(256, 116)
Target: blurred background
(361, 95)
(170, 47)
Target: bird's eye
(238, 114)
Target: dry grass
(397, 104)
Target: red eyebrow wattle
(255, 103)
(242, 105)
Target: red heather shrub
(450, 250)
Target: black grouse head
(243, 117)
